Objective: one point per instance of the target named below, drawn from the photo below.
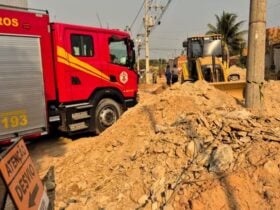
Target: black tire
(107, 112)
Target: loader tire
(107, 113)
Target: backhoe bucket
(235, 89)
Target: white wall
(18, 3)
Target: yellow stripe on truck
(67, 59)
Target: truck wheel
(107, 112)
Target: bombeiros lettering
(9, 22)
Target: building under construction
(272, 56)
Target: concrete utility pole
(150, 21)
(139, 44)
(256, 55)
(147, 50)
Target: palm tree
(230, 30)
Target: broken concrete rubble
(190, 142)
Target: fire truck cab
(76, 78)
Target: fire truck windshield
(118, 52)
(121, 52)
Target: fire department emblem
(123, 77)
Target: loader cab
(203, 53)
(212, 73)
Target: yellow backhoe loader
(207, 60)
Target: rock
(82, 185)
(133, 156)
(184, 200)
(179, 152)
(62, 205)
(72, 200)
(137, 191)
(242, 133)
(218, 123)
(154, 206)
(238, 127)
(158, 172)
(79, 159)
(160, 129)
(168, 194)
(143, 199)
(84, 200)
(271, 168)
(141, 133)
(109, 148)
(72, 206)
(208, 139)
(50, 185)
(191, 150)
(203, 132)
(158, 149)
(253, 158)
(227, 129)
(74, 188)
(204, 120)
(238, 115)
(221, 159)
(75, 179)
(245, 139)
(158, 187)
(203, 159)
(168, 207)
(271, 138)
(268, 195)
(117, 143)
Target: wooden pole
(256, 55)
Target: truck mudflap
(22, 98)
(235, 89)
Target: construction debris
(189, 147)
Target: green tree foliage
(229, 28)
(153, 62)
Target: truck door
(120, 70)
(86, 68)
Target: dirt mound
(272, 98)
(189, 147)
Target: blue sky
(183, 17)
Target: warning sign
(24, 184)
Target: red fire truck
(76, 78)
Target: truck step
(54, 118)
(84, 107)
(80, 115)
(78, 126)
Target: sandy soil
(185, 147)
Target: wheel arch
(112, 93)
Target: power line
(273, 6)
(136, 16)
(161, 15)
(165, 49)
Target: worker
(168, 75)
(175, 73)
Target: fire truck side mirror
(133, 59)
